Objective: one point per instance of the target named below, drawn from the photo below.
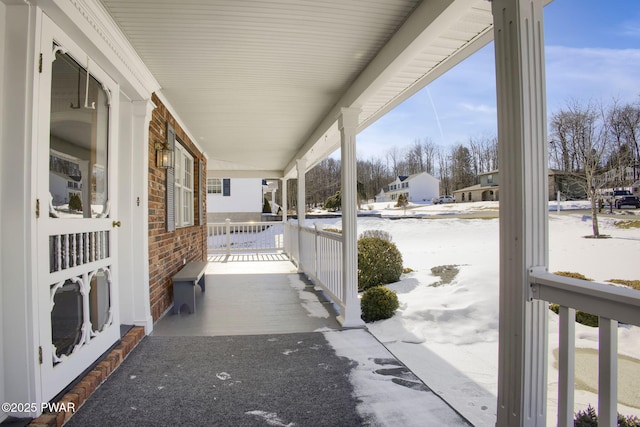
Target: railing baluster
(566, 366)
(228, 233)
(59, 252)
(608, 373)
(66, 251)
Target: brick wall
(167, 250)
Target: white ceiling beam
(264, 174)
(428, 20)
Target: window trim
(217, 187)
(184, 194)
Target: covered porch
(262, 89)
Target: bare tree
(414, 158)
(394, 157)
(444, 172)
(429, 151)
(582, 137)
(624, 128)
(374, 176)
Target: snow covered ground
(448, 335)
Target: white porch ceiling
(259, 83)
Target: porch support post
(138, 205)
(284, 194)
(522, 151)
(347, 123)
(301, 165)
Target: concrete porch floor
(252, 295)
(263, 348)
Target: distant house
(417, 188)
(618, 177)
(488, 189)
(239, 199)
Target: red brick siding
(167, 250)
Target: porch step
(91, 381)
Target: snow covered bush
(379, 262)
(380, 234)
(378, 303)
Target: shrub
(635, 284)
(379, 262)
(75, 204)
(333, 230)
(572, 275)
(402, 201)
(380, 234)
(586, 319)
(627, 224)
(266, 206)
(589, 418)
(378, 303)
(333, 203)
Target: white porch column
(347, 123)
(522, 150)
(273, 200)
(135, 307)
(301, 165)
(284, 195)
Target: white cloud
(479, 108)
(591, 74)
(462, 103)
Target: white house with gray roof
(418, 188)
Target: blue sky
(592, 50)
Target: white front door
(76, 221)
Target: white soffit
(256, 80)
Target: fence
(318, 254)
(232, 237)
(612, 304)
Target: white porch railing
(612, 304)
(232, 237)
(318, 254)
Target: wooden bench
(184, 285)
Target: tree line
(456, 167)
(585, 139)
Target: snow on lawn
(448, 335)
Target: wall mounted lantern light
(164, 156)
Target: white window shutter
(226, 187)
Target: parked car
(627, 201)
(443, 199)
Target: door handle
(116, 224)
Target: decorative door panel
(76, 226)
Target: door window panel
(100, 299)
(78, 166)
(67, 316)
